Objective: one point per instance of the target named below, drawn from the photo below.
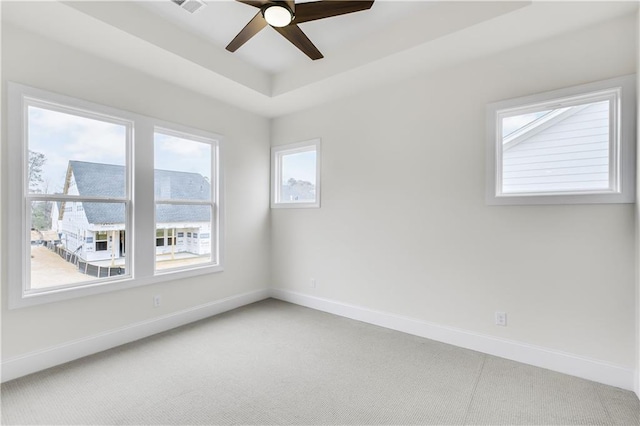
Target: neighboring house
(96, 231)
(564, 149)
(56, 224)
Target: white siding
(572, 154)
(73, 222)
(187, 243)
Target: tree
(299, 190)
(40, 210)
(36, 161)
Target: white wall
(404, 229)
(637, 234)
(35, 61)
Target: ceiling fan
(284, 17)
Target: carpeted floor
(277, 363)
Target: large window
(295, 175)
(185, 198)
(570, 146)
(71, 219)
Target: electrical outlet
(313, 283)
(157, 299)
(501, 318)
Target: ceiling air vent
(190, 6)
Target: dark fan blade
(294, 34)
(311, 11)
(254, 3)
(252, 28)
(292, 5)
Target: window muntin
(568, 146)
(122, 270)
(296, 175)
(185, 196)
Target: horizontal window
(569, 146)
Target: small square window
(295, 177)
(569, 146)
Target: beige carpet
(277, 363)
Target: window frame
(621, 91)
(279, 151)
(139, 201)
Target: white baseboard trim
(590, 369)
(19, 366)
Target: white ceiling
(268, 75)
(220, 20)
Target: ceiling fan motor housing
(277, 14)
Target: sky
(63, 137)
(300, 166)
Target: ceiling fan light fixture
(277, 15)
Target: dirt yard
(49, 270)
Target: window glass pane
(182, 168)
(563, 149)
(81, 245)
(517, 122)
(189, 235)
(159, 237)
(298, 177)
(75, 155)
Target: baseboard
(590, 369)
(13, 368)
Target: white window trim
(276, 172)
(141, 204)
(623, 128)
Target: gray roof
(107, 180)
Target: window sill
(295, 206)
(535, 199)
(106, 286)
